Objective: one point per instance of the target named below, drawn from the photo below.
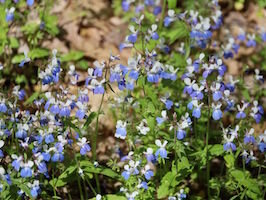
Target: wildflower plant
(181, 119)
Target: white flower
(143, 128)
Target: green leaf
(38, 53)
(72, 56)
(230, 160)
(17, 58)
(50, 22)
(87, 166)
(183, 164)
(30, 28)
(216, 150)
(89, 119)
(243, 179)
(245, 93)
(167, 182)
(238, 175)
(111, 197)
(32, 98)
(83, 64)
(172, 4)
(69, 123)
(13, 42)
(57, 182)
(62, 179)
(178, 31)
(21, 79)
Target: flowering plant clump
(185, 128)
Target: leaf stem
(162, 16)
(80, 189)
(94, 136)
(207, 149)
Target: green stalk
(85, 189)
(91, 187)
(175, 151)
(207, 149)
(79, 184)
(80, 189)
(94, 136)
(54, 183)
(162, 16)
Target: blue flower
(3, 107)
(98, 90)
(158, 9)
(149, 155)
(64, 112)
(241, 114)
(131, 168)
(8, 179)
(180, 134)
(30, 2)
(132, 38)
(189, 86)
(16, 162)
(55, 109)
(229, 145)
(26, 170)
(144, 185)
(197, 92)
(21, 133)
(46, 156)
(228, 54)
(167, 21)
(149, 2)
(153, 78)
(134, 74)
(148, 173)
(249, 138)
(121, 131)
(217, 114)
(262, 147)
(10, 14)
(241, 37)
(251, 43)
(160, 120)
(168, 104)
(57, 157)
(25, 60)
(196, 113)
(161, 151)
(126, 175)
(84, 146)
(263, 36)
(21, 94)
(126, 5)
(49, 138)
(217, 95)
(42, 167)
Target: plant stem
(162, 16)
(94, 136)
(54, 183)
(175, 150)
(207, 149)
(80, 189)
(91, 187)
(259, 171)
(243, 163)
(85, 189)
(194, 127)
